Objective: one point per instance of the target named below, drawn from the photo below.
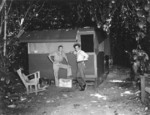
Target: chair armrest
(35, 74)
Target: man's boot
(82, 83)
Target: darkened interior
(87, 44)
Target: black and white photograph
(74, 57)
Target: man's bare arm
(50, 57)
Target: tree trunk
(2, 4)
(5, 32)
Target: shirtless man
(57, 63)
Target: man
(81, 58)
(57, 63)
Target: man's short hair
(77, 44)
(60, 46)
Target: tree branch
(41, 7)
(9, 6)
(1, 24)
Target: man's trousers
(81, 69)
(81, 75)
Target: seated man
(57, 63)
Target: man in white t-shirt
(57, 59)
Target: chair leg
(36, 88)
(27, 87)
(30, 89)
(39, 86)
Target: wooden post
(142, 88)
(5, 31)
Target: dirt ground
(115, 96)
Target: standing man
(57, 59)
(81, 58)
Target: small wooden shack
(41, 43)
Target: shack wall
(40, 62)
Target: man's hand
(83, 64)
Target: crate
(65, 83)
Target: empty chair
(29, 83)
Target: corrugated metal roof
(49, 36)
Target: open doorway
(87, 43)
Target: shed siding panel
(101, 47)
(43, 48)
(107, 46)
